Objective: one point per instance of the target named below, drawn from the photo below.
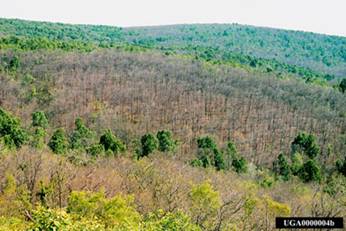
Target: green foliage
(149, 144)
(38, 138)
(37, 43)
(240, 165)
(11, 131)
(95, 150)
(297, 163)
(342, 85)
(307, 144)
(335, 184)
(276, 208)
(160, 220)
(117, 212)
(49, 219)
(208, 154)
(341, 166)
(58, 142)
(166, 142)
(205, 202)
(310, 171)
(10, 62)
(281, 167)
(111, 143)
(10, 204)
(39, 119)
(81, 136)
(265, 178)
(12, 223)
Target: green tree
(49, 219)
(81, 136)
(11, 131)
(307, 144)
(116, 213)
(111, 143)
(38, 138)
(310, 171)
(95, 150)
(166, 142)
(58, 142)
(149, 143)
(341, 166)
(240, 165)
(205, 202)
(342, 85)
(281, 167)
(39, 119)
(161, 220)
(297, 163)
(230, 154)
(208, 154)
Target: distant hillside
(308, 55)
(321, 53)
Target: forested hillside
(307, 54)
(188, 127)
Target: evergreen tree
(240, 165)
(342, 85)
(282, 168)
(230, 154)
(11, 131)
(208, 154)
(307, 144)
(310, 171)
(81, 136)
(149, 144)
(166, 142)
(39, 119)
(341, 166)
(297, 163)
(111, 143)
(58, 142)
(38, 138)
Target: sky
(321, 16)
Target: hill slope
(275, 48)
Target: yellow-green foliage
(276, 208)
(205, 202)
(12, 223)
(12, 200)
(117, 212)
(178, 221)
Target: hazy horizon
(323, 17)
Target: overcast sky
(322, 16)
